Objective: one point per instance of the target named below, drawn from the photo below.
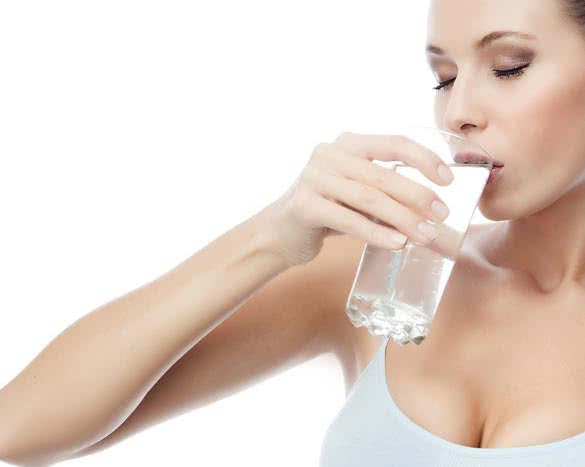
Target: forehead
(459, 23)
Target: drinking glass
(397, 293)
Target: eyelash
(502, 74)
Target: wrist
(267, 239)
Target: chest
(501, 369)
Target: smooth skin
(497, 368)
(534, 122)
(179, 335)
(504, 365)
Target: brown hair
(576, 10)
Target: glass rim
(400, 128)
(454, 164)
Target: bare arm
(94, 374)
(294, 318)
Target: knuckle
(320, 149)
(370, 197)
(402, 139)
(343, 137)
(380, 178)
(310, 174)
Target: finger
(395, 147)
(369, 200)
(398, 187)
(345, 220)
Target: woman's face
(533, 122)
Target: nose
(460, 110)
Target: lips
(494, 174)
(471, 157)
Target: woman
(499, 381)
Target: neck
(549, 245)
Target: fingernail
(398, 239)
(440, 210)
(445, 174)
(428, 230)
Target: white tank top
(371, 431)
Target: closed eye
(502, 74)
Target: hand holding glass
(397, 293)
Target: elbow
(10, 458)
(13, 455)
(6, 454)
(25, 460)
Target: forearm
(93, 375)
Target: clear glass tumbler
(397, 293)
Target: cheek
(553, 113)
(551, 126)
(545, 122)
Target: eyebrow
(485, 40)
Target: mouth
(472, 157)
(495, 173)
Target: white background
(132, 133)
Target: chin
(495, 215)
(505, 208)
(499, 207)
(495, 207)
(516, 197)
